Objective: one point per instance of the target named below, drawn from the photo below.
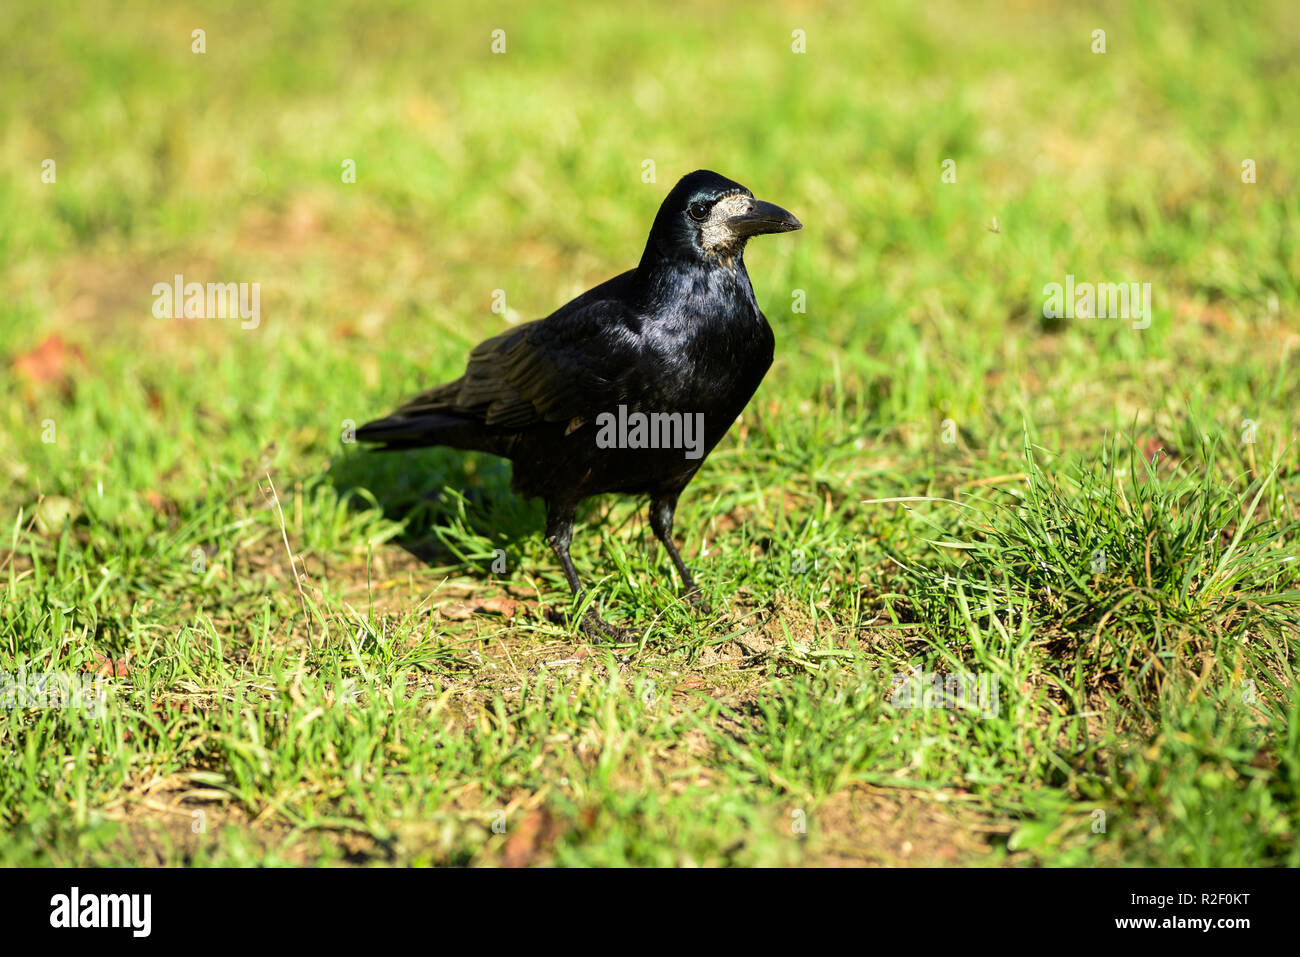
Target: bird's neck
(663, 284)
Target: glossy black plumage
(679, 334)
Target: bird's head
(708, 218)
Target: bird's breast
(715, 365)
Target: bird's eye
(698, 211)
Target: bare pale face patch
(716, 237)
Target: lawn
(993, 583)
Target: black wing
(574, 364)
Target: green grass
(1100, 521)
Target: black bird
(625, 389)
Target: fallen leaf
(110, 667)
(505, 607)
(48, 362)
(459, 610)
(53, 511)
(530, 838)
(455, 611)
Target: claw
(595, 628)
(598, 629)
(698, 602)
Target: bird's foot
(598, 629)
(595, 628)
(697, 601)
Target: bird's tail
(407, 431)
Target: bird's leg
(559, 533)
(662, 509)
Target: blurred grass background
(522, 171)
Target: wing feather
(551, 370)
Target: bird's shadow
(455, 508)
